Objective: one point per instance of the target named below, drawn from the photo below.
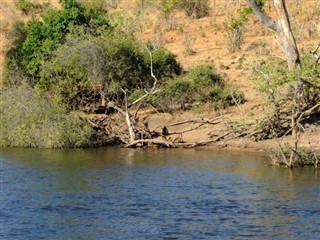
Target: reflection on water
(154, 194)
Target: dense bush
(28, 119)
(44, 35)
(287, 93)
(164, 64)
(112, 61)
(224, 96)
(204, 75)
(70, 50)
(209, 87)
(73, 69)
(176, 94)
(277, 83)
(201, 85)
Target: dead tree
(126, 111)
(282, 27)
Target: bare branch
(154, 141)
(315, 53)
(263, 18)
(112, 105)
(153, 90)
(197, 120)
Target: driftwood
(201, 122)
(158, 142)
(170, 144)
(196, 120)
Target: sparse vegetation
(195, 8)
(235, 27)
(293, 96)
(167, 7)
(28, 7)
(189, 43)
(303, 157)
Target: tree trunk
(132, 136)
(282, 27)
(287, 37)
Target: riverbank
(209, 130)
(194, 42)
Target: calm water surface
(154, 194)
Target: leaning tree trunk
(282, 27)
(287, 37)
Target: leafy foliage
(168, 5)
(177, 93)
(27, 6)
(204, 75)
(31, 120)
(112, 61)
(45, 35)
(236, 26)
(279, 88)
(304, 157)
(70, 50)
(200, 85)
(275, 81)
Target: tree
(282, 27)
(126, 112)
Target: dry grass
(210, 41)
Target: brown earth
(210, 47)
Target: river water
(114, 193)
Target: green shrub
(167, 7)
(74, 68)
(200, 86)
(216, 92)
(135, 94)
(112, 61)
(236, 26)
(128, 62)
(31, 120)
(224, 96)
(179, 89)
(231, 95)
(175, 93)
(195, 8)
(277, 83)
(71, 50)
(44, 35)
(286, 92)
(125, 61)
(13, 74)
(27, 6)
(203, 75)
(303, 157)
(164, 64)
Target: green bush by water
(201, 85)
(29, 119)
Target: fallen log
(152, 141)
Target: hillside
(204, 41)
